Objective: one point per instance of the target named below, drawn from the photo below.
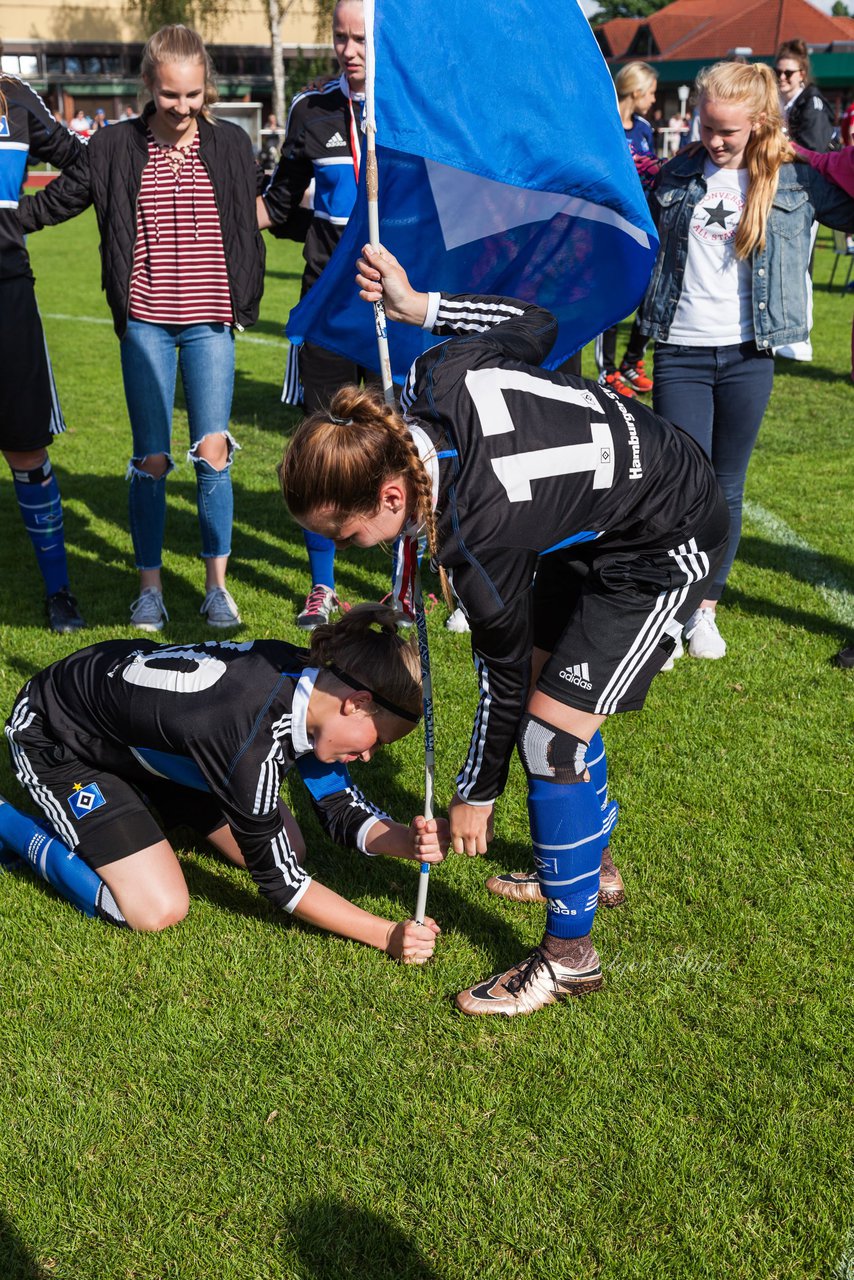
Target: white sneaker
(678, 652)
(148, 613)
(458, 622)
(704, 639)
(220, 608)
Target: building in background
(86, 56)
(689, 34)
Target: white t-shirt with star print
(715, 308)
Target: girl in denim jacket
(734, 216)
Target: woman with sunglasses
(807, 114)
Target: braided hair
(338, 460)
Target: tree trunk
(276, 12)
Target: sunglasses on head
(780, 72)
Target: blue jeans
(718, 395)
(150, 357)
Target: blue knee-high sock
(321, 559)
(41, 511)
(567, 834)
(597, 764)
(70, 876)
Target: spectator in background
(808, 116)
(636, 85)
(322, 143)
(81, 124)
(730, 283)
(99, 120)
(183, 264)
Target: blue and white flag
(503, 169)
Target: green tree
(204, 16)
(609, 9)
(840, 10)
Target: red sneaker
(615, 382)
(634, 374)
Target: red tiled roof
(711, 28)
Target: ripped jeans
(150, 356)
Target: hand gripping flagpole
(372, 188)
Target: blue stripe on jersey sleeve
(164, 764)
(322, 779)
(588, 535)
(13, 163)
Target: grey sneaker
(320, 605)
(530, 985)
(220, 608)
(148, 613)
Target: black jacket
(810, 121)
(108, 174)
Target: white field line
(240, 337)
(811, 567)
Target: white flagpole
(372, 187)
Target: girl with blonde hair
(734, 215)
(182, 267)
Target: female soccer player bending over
(207, 732)
(502, 462)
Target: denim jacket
(779, 270)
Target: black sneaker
(63, 616)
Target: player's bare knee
(162, 914)
(551, 753)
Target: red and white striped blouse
(179, 274)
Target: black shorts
(322, 373)
(99, 815)
(29, 409)
(610, 621)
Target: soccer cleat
(704, 639)
(845, 657)
(63, 615)
(321, 602)
(458, 623)
(523, 886)
(529, 986)
(148, 612)
(220, 608)
(678, 652)
(635, 376)
(615, 382)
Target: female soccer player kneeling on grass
(503, 462)
(207, 732)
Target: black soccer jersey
(527, 462)
(26, 128)
(223, 717)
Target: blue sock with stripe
(72, 878)
(597, 765)
(321, 559)
(41, 511)
(566, 830)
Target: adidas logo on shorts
(579, 675)
(335, 141)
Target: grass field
(242, 1098)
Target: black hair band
(378, 699)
